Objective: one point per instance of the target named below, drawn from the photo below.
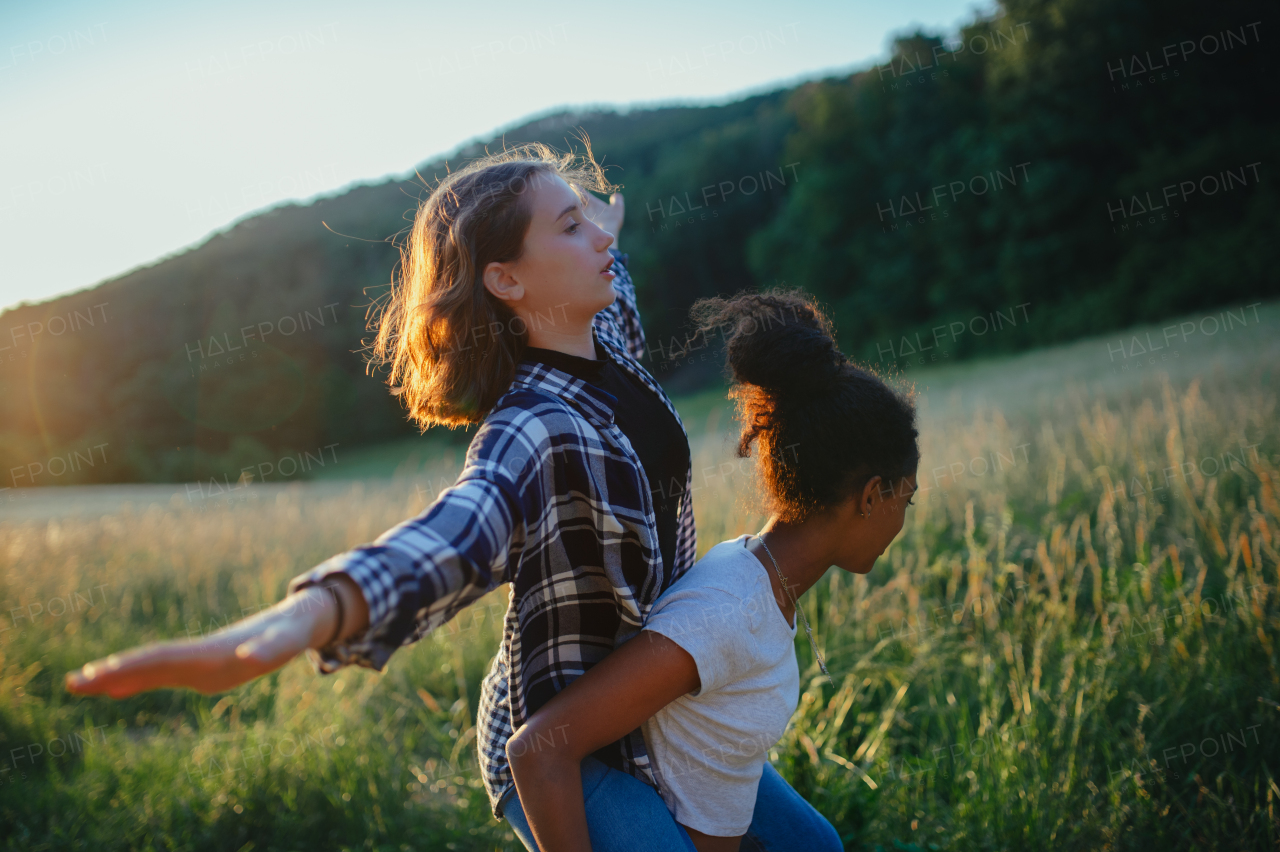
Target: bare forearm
(354, 609)
(235, 654)
(606, 703)
(550, 790)
(315, 611)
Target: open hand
(608, 216)
(236, 654)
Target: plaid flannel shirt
(553, 499)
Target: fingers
(203, 675)
(121, 675)
(141, 669)
(613, 211)
(595, 206)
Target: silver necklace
(796, 604)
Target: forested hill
(1069, 168)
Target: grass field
(1070, 646)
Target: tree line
(1061, 169)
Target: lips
(607, 265)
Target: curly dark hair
(825, 426)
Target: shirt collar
(587, 369)
(595, 403)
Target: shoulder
(526, 406)
(725, 580)
(525, 421)
(727, 567)
(715, 613)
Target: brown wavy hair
(451, 345)
(824, 426)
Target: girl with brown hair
(512, 309)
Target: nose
(603, 239)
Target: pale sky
(135, 129)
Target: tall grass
(1064, 653)
(291, 761)
(1066, 649)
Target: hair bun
(777, 340)
(823, 426)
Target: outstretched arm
(420, 574)
(233, 655)
(610, 701)
(414, 578)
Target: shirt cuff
(364, 649)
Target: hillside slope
(1033, 180)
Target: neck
(801, 558)
(578, 341)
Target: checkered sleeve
(420, 574)
(687, 533)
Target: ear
(873, 494)
(499, 281)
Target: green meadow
(1071, 645)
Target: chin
(868, 565)
(607, 296)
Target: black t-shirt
(653, 431)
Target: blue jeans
(624, 814)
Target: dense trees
(1070, 167)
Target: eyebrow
(568, 209)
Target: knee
(783, 816)
(824, 837)
(817, 834)
(594, 773)
(828, 839)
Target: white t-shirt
(709, 747)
